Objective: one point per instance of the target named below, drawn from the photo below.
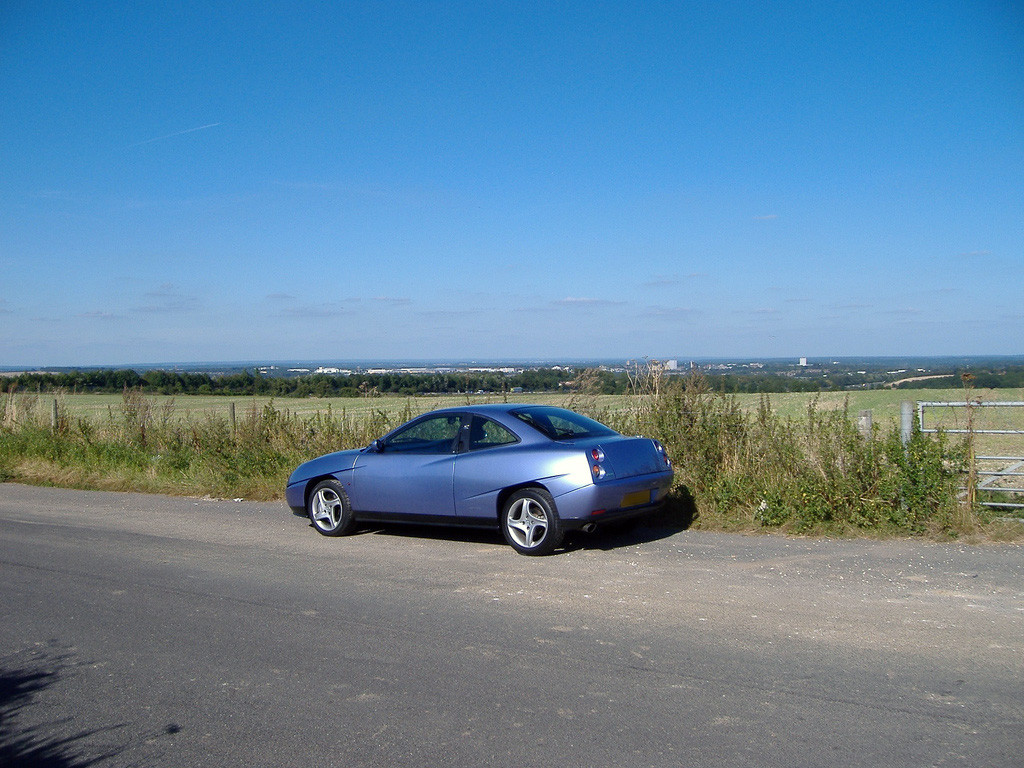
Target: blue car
(534, 471)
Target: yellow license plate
(636, 498)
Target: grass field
(883, 403)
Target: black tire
(329, 509)
(530, 522)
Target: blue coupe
(534, 471)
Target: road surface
(152, 631)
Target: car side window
(485, 433)
(434, 435)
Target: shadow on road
(676, 515)
(32, 746)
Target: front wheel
(530, 522)
(329, 509)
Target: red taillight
(664, 454)
(597, 454)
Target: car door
(487, 464)
(412, 472)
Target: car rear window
(560, 424)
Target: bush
(755, 470)
(148, 447)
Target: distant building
(671, 365)
(803, 362)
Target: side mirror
(375, 447)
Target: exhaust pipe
(589, 528)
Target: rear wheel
(329, 509)
(530, 522)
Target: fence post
(53, 417)
(864, 424)
(231, 410)
(972, 461)
(906, 421)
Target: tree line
(252, 383)
(248, 383)
(1007, 378)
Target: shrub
(756, 470)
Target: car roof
(503, 413)
(492, 407)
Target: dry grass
(742, 463)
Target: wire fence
(996, 477)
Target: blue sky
(240, 181)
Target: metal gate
(1001, 477)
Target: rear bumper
(601, 503)
(612, 517)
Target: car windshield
(560, 424)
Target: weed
(736, 468)
(816, 475)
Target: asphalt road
(149, 631)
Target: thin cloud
(318, 186)
(163, 290)
(181, 305)
(172, 135)
(371, 191)
(280, 297)
(57, 195)
(98, 314)
(767, 217)
(670, 281)
(670, 313)
(662, 281)
(315, 313)
(586, 301)
(392, 299)
(449, 314)
(166, 299)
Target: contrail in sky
(172, 135)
